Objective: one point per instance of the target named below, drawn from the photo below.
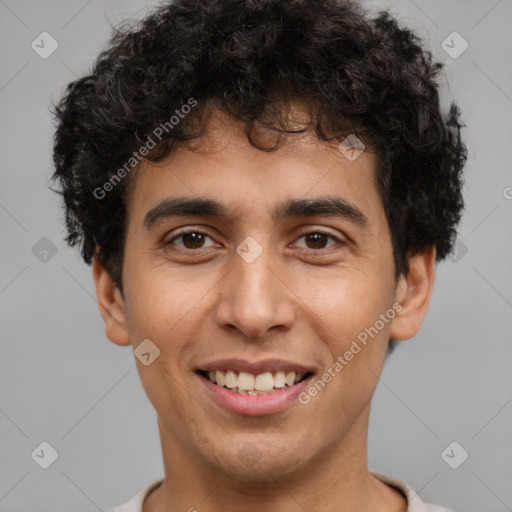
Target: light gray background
(63, 382)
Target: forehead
(224, 166)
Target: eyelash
(203, 232)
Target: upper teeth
(261, 382)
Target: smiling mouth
(250, 384)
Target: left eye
(318, 239)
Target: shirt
(415, 504)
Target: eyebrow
(333, 206)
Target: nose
(254, 297)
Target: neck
(335, 480)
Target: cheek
(161, 298)
(345, 311)
(346, 304)
(165, 311)
(356, 350)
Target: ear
(413, 293)
(111, 304)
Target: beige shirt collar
(415, 504)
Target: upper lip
(256, 367)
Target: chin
(259, 463)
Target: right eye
(191, 239)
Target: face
(242, 267)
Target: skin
(298, 300)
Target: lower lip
(254, 405)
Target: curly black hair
(357, 73)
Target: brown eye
(316, 240)
(194, 239)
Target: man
(263, 189)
